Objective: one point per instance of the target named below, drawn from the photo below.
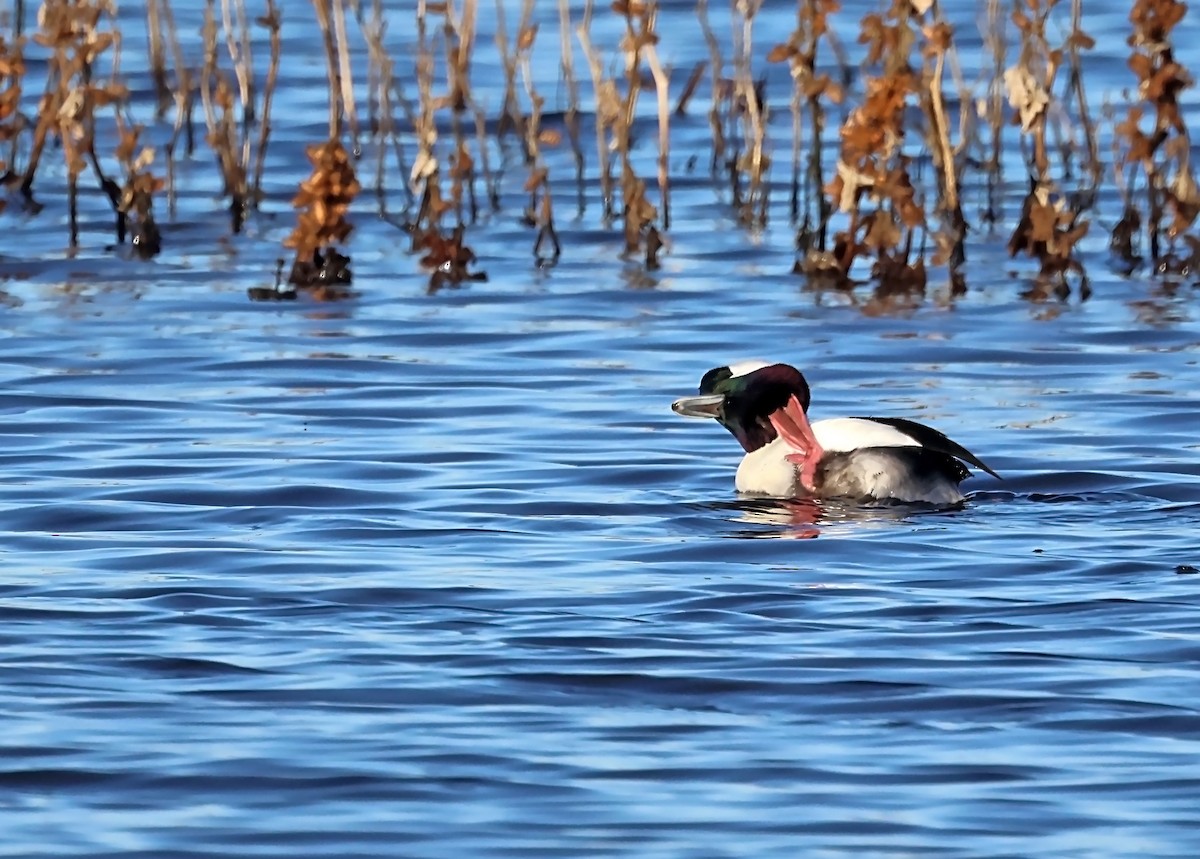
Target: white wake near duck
(765, 407)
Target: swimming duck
(765, 407)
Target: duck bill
(708, 406)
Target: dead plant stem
(273, 24)
(345, 73)
(661, 83)
(331, 66)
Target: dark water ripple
(432, 576)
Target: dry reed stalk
(223, 135)
(511, 119)
(661, 83)
(446, 254)
(721, 91)
(457, 40)
(778, 54)
(1123, 239)
(237, 43)
(938, 41)
(345, 77)
(995, 41)
(425, 176)
(72, 30)
(608, 112)
(754, 161)
(526, 37)
(272, 22)
(637, 212)
(184, 96)
(372, 31)
(332, 66)
(460, 40)
(12, 73)
(967, 104)
(546, 247)
(1164, 155)
(809, 89)
(158, 57)
(1048, 229)
(1029, 82)
(137, 197)
(18, 20)
(1079, 40)
(689, 87)
(462, 99)
(872, 168)
(381, 83)
(571, 119)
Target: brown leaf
(1081, 40)
(536, 179)
(1141, 65)
(938, 37)
(525, 39)
(1042, 221)
(779, 53)
(882, 231)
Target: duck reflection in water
(807, 518)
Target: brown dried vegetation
(886, 199)
(810, 91)
(1162, 153)
(872, 185)
(322, 204)
(616, 111)
(231, 107)
(1049, 227)
(77, 34)
(137, 194)
(443, 250)
(12, 70)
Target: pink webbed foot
(793, 427)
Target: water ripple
(443, 575)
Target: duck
(867, 459)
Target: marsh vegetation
(881, 146)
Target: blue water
(429, 576)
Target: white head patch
(743, 368)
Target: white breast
(766, 471)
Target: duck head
(743, 397)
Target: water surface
(428, 576)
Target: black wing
(931, 439)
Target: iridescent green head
(742, 397)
